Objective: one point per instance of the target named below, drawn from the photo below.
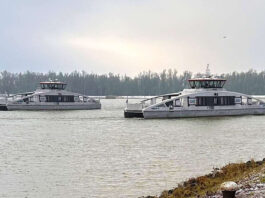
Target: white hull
(55, 106)
(202, 113)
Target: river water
(100, 154)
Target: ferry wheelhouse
(50, 95)
(205, 97)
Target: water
(100, 154)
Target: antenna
(208, 72)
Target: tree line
(145, 83)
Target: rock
(260, 185)
(239, 191)
(229, 186)
(229, 189)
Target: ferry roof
(207, 79)
(52, 82)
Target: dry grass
(209, 184)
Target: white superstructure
(50, 96)
(206, 97)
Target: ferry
(51, 95)
(205, 97)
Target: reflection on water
(100, 154)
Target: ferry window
(207, 83)
(51, 98)
(42, 98)
(219, 84)
(68, 99)
(26, 100)
(192, 84)
(76, 99)
(56, 98)
(177, 103)
(212, 84)
(238, 100)
(203, 83)
(60, 86)
(215, 101)
(192, 101)
(197, 84)
(170, 103)
(215, 84)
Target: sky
(131, 36)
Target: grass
(262, 180)
(209, 184)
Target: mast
(208, 72)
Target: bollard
(229, 189)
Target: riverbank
(249, 176)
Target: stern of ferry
(133, 110)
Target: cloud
(132, 36)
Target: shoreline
(250, 177)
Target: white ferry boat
(50, 96)
(206, 97)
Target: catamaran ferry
(205, 97)
(50, 96)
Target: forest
(145, 83)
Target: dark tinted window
(215, 101)
(59, 98)
(206, 83)
(170, 103)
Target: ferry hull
(12, 107)
(202, 113)
(3, 107)
(133, 114)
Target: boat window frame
(191, 99)
(58, 86)
(175, 105)
(206, 83)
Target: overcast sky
(130, 36)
